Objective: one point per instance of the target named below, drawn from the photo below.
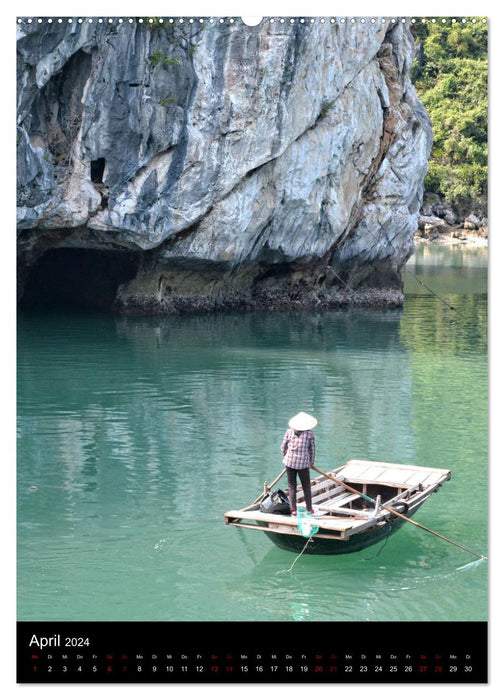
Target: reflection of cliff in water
(252, 372)
(190, 411)
(317, 332)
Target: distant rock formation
(208, 165)
(437, 220)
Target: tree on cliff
(450, 77)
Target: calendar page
(252, 430)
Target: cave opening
(97, 170)
(78, 279)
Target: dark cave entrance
(77, 279)
(97, 170)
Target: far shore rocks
(438, 223)
(431, 225)
(453, 234)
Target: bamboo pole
(400, 515)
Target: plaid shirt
(298, 450)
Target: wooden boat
(350, 516)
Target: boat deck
(332, 502)
(391, 474)
(288, 525)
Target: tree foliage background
(450, 74)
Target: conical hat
(302, 421)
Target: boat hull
(341, 501)
(319, 545)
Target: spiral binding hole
(252, 21)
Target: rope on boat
(382, 547)
(288, 571)
(399, 515)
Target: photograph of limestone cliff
(223, 227)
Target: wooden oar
(267, 488)
(395, 512)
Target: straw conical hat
(302, 421)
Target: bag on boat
(276, 502)
(307, 526)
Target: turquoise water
(135, 436)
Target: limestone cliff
(208, 164)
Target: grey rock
(231, 154)
(449, 216)
(426, 210)
(431, 231)
(472, 222)
(432, 223)
(444, 211)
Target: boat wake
(470, 565)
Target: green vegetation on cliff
(450, 77)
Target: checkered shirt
(298, 450)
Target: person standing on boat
(298, 451)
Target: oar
(267, 488)
(395, 512)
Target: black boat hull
(319, 545)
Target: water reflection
(453, 270)
(135, 436)
(456, 256)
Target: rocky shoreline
(455, 236)
(438, 223)
(282, 294)
(277, 299)
(472, 232)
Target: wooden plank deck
(340, 501)
(329, 499)
(361, 471)
(392, 474)
(330, 493)
(286, 521)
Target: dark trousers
(304, 477)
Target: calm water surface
(135, 436)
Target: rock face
(216, 164)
